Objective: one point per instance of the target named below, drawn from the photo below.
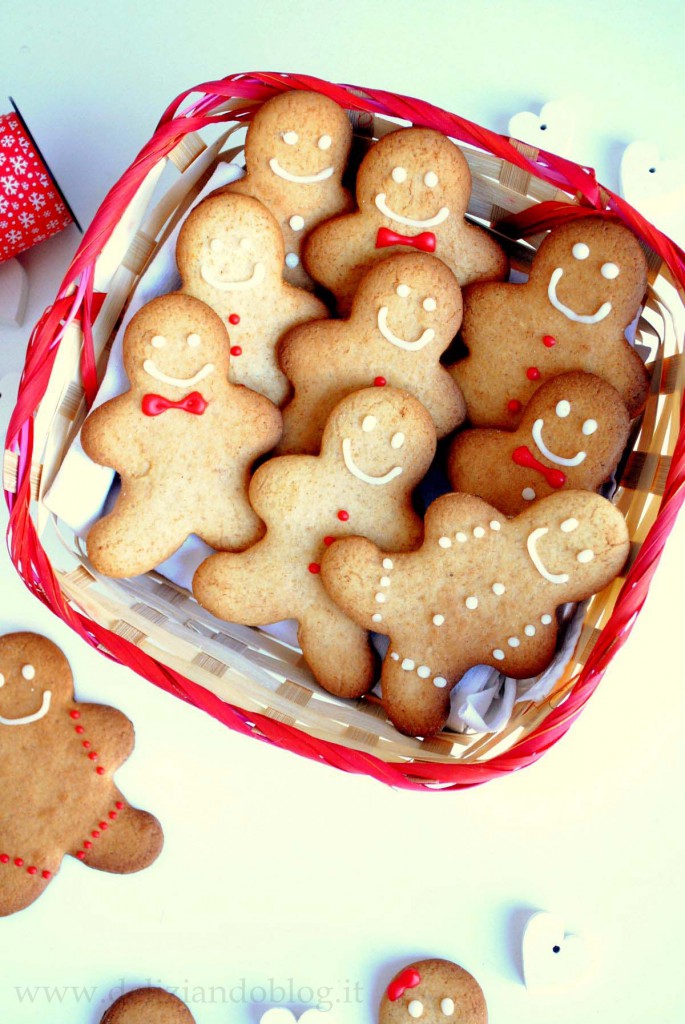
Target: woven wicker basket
(243, 677)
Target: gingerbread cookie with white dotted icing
(571, 436)
(482, 590)
(57, 793)
(230, 254)
(296, 151)
(406, 312)
(413, 188)
(377, 446)
(148, 1006)
(433, 992)
(183, 440)
(586, 284)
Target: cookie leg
(337, 650)
(130, 842)
(18, 888)
(133, 539)
(416, 705)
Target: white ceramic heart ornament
(282, 1015)
(655, 187)
(552, 129)
(551, 958)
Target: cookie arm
(131, 841)
(107, 438)
(351, 572)
(110, 733)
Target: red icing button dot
(74, 714)
(532, 373)
(93, 756)
(104, 825)
(343, 516)
(100, 771)
(19, 861)
(88, 845)
(119, 805)
(46, 874)
(86, 744)
(314, 567)
(32, 870)
(513, 405)
(236, 350)
(112, 815)
(328, 541)
(95, 834)
(379, 382)
(4, 859)
(81, 855)
(234, 318)
(80, 730)
(549, 341)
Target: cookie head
(382, 436)
(414, 177)
(35, 679)
(433, 992)
(592, 271)
(299, 138)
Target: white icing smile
(301, 179)
(533, 538)
(212, 279)
(431, 222)
(360, 474)
(178, 382)
(408, 346)
(559, 459)
(570, 314)
(35, 717)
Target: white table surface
(277, 871)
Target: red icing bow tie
(154, 405)
(408, 978)
(425, 241)
(524, 457)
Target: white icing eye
(28, 672)
(415, 1008)
(589, 427)
(245, 244)
(403, 290)
(216, 245)
(397, 440)
(447, 1007)
(369, 424)
(193, 340)
(290, 138)
(158, 341)
(429, 305)
(581, 251)
(399, 175)
(610, 271)
(296, 222)
(569, 525)
(585, 556)
(2, 680)
(324, 142)
(430, 179)
(563, 409)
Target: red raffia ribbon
(77, 300)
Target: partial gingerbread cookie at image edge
(434, 992)
(148, 1006)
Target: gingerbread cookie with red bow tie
(183, 440)
(482, 590)
(433, 992)
(586, 284)
(57, 793)
(230, 254)
(148, 1006)
(413, 188)
(377, 446)
(571, 436)
(406, 312)
(296, 150)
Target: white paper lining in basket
(82, 491)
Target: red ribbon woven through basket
(76, 299)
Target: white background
(274, 867)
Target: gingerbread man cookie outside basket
(230, 254)
(434, 992)
(377, 445)
(57, 794)
(585, 287)
(413, 188)
(184, 450)
(406, 312)
(481, 590)
(296, 150)
(148, 1006)
(572, 434)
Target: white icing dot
(395, 656)
(296, 222)
(429, 304)
(479, 531)
(387, 563)
(399, 175)
(438, 620)
(325, 142)
(403, 290)
(193, 340)
(514, 641)
(377, 617)
(423, 671)
(609, 271)
(569, 525)
(447, 1007)
(369, 424)
(545, 619)
(529, 630)
(158, 341)
(408, 665)
(495, 525)
(2, 680)
(499, 655)
(290, 138)
(440, 682)
(563, 409)
(462, 538)
(585, 556)
(216, 245)
(380, 598)
(415, 1008)
(581, 251)
(471, 603)
(589, 427)
(430, 179)
(385, 581)
(28, 672)
(397, 440)
(292, 260)
(528, 494)
(498, 588)
(445, 542)
(244, 244)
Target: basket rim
(76, 300)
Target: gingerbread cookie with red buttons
(406, 312)
(182, 438)
(433, 992)
(587, 282)
(482, 590)
(296, 151)
(57, 792)
(148, 1006)
(230, 254)
(571, 435)
(376, 447)
(413, 189)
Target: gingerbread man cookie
(482, 590)
(377, 445)
(296, 150)
(184, 450)
(230, 255)
(148, 1006)
(413, 188)
(406, 312)
(57, 794)
(434, 992)
(585, 287)
(571, 435)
